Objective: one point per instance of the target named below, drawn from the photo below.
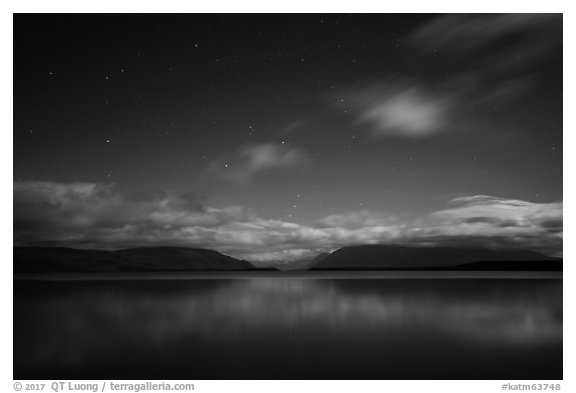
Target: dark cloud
(490, 220)
(553, 225)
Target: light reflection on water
(289, 328)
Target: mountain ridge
(348, 258)
(382, 257)
(146, 259)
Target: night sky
(276, 137)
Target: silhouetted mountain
(162, 259)
(378, 257)
(544, 265)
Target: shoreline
(221, 275)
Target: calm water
(274, 328)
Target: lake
(288, 328)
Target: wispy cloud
(94, 215)
(518, 36)
(490, 61)
(251, 160)
(358, 219)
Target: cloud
(401, 108)
(91, 215)
(494, 222)
(276, 240)
(504, 212)
(507, 36)
(358, 219)
(103, 215)
(493, 57)
(251, 160)
(488, 61)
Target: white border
(246, 6)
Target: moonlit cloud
(102, 215)
(491, 61)
(495, 222)
(401, 108)
(250, 160)
(91, 215)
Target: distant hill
(367, 257)
(545, 265)
(304, 264)
(161, 259)
(381, 257)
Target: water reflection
(69, 329)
